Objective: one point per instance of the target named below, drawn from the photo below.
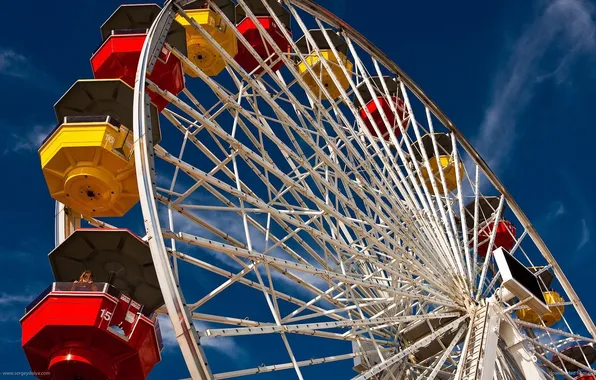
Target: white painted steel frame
(181, 316)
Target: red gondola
(505, 230)
(249, 30)
(584, 354)
(387, 107)
(72, 332)
(504, 236)
(123, 36)
(96, 330)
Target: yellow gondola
(444, 161)
(87, 160)
(313, 60)
(200, 51)
(549, 318)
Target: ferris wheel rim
(144, 154)
(145, 168)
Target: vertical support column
(65, 223)
(481, 356)
(491, 339)
(524, 359)
(479, 359)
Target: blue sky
(516, 78)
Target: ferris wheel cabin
(584, 353)
(87, 160)
(552, 316)
(440, 161)
(123, 36)
(201, 51)
(249, 30)
(504, 230)
(313, 61)
(541, 305)
(98, 330)
(390, 103)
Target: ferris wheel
(300, 195)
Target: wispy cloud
(563, 32)
(231, 224)
(16, 65)
(580, 206)
(11, 299)
(551, 216)
(28, 141)
(223, 345)
(557, 209)
(9, 341)
(585, 235)
(11, 305)
(167, 332)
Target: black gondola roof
(257, 7)
(391, 83)
(140, 17)
(486, 207)
(319, 38)
(444, 145)
(109, 97)
(577, 353)
(117, 253)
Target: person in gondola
(85, 282)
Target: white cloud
(14, 64)
(231, 224)
(552, 340)
(167, 331)
(223, 345)
(563, 32)
(28, 141)
(9, 316)
(557, 209)
(10, 341)
(10, 303)
(585, 235)
(11, 299)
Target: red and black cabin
(249, 30)
(581, 353)
(387, 104)
(100, 330)
(123, 36)
(92, 332)
(505, 230)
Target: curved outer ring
(181, 320)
